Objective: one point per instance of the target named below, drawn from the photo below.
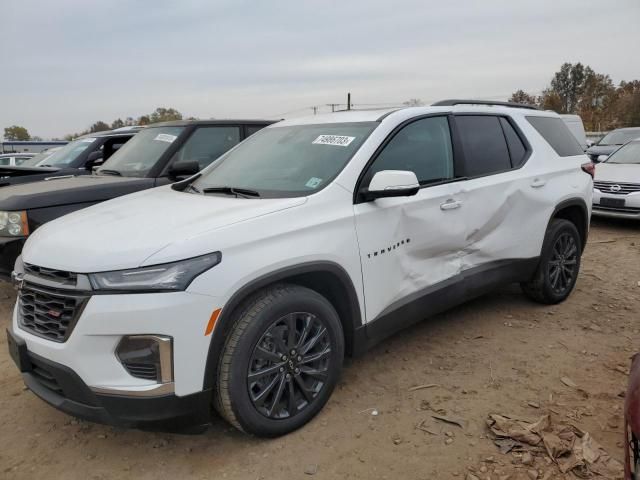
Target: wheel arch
(327, 278)
(574, 210)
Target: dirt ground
(498, 354)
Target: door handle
(450, 204)
(538, 182)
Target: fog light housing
(149, 357)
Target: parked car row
(75, 158)
(241, 288)
(103, 166)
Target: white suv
(243, 287)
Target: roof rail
(451, 103)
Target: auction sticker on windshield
(165, 137)
(339, 140)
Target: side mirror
(184, 168)
(392, 183)
(93, 159)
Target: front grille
(49, 313)
(617, 209)
(618, 188)
(142, 370)
(59, 276)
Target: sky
(69, 63)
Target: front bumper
(105, 319)
(631, 208)
(62, 388)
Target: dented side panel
(408, 244)
(506, 217)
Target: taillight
(589, 168)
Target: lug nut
(299, 358)
(288, 376)
(293, 352)
(297, 370)
(284, 358)
(281, 369)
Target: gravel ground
(498, 354)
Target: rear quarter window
(517, 149)
(556, 133)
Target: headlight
(166, 277)
(14, 224)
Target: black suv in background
(158, 155)
(75, 158)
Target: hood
(618, 172)
(125, 232)
(602, 149)
(8, 176)
(68, 191)
(19, 171)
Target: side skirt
(437, 298)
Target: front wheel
(559, 265)
(280, 362)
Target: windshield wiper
(106, 171)
(245, 192)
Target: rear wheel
(559, 265)
(281, 361)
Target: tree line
(160, 114)
(578, 89)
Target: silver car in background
(616, 187)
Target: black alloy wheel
(562, 267)
(281, 360)
(289, 365)
(559, 264)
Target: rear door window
(484, 145)
(556, 133)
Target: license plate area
(612, 202)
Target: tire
(247, 396)
(561, 252)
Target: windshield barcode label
(165, 137)
(339, 140)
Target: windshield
(630, 153)
(67, 154)
(619, 137)
(36, 159)
(288, 161)
(136, 157)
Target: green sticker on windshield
(313, 182)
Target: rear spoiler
(18, 171)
